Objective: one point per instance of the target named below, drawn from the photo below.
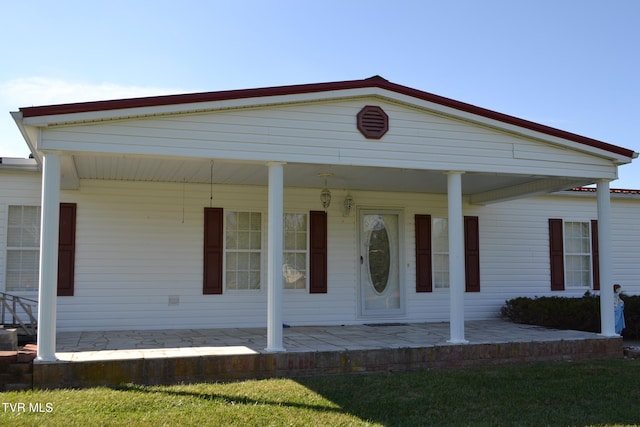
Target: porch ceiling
(482, 187)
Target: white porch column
(456, 258)
(274, 257)
(607, 318)
(48, 283)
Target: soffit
(295, 175)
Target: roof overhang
(482, 188)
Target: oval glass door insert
(379, 256)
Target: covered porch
(369, 135)
(172, 356)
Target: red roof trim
(375, 81)
(611, 191)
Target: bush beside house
(582, 314)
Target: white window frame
(228, 251)
(296, 251)
(21, 249)
(586, 256)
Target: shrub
(582, 314)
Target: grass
(604, 393)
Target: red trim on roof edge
(375, 81)
(611, 190)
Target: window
(577, 254)
(432, 253)
(243, 250)
(294, 263)
(440, 253)
(573, 250)
(23, 248)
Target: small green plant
(582, 314)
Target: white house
(323, 204)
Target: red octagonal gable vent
(373, 122)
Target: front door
(380, 290)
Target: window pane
(256, 240)
(243, 250)
(231, 239)
(295, 251)
(578, 268)
(244, 221)
(23, 226)
(440, 249)
(232, 281)
(577, 247)
(440, 235)
(243, 261)
(22, 270)
(254, 280)
(23, 241)
(289, 240)
(441, 270)
(254, 261)
(256, 221)
(232, 221)
(301, 241)
(243, 279)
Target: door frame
(386, 314)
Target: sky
(570, 64)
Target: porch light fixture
(348, 204)
(325, 194)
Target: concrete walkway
(118, 345)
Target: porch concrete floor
(149, 344)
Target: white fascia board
(30, 135)
(506, 127)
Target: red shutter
(424, 276)
(595, 256)
(472, 253)
(213, 250)
(556, 253)
(318, 252)
(66, 249)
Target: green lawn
(554, 394)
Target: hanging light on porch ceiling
(325, 194)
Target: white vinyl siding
(139, 254)
(294, 268)
(243, 250)
(577, 254)
(23, 248)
